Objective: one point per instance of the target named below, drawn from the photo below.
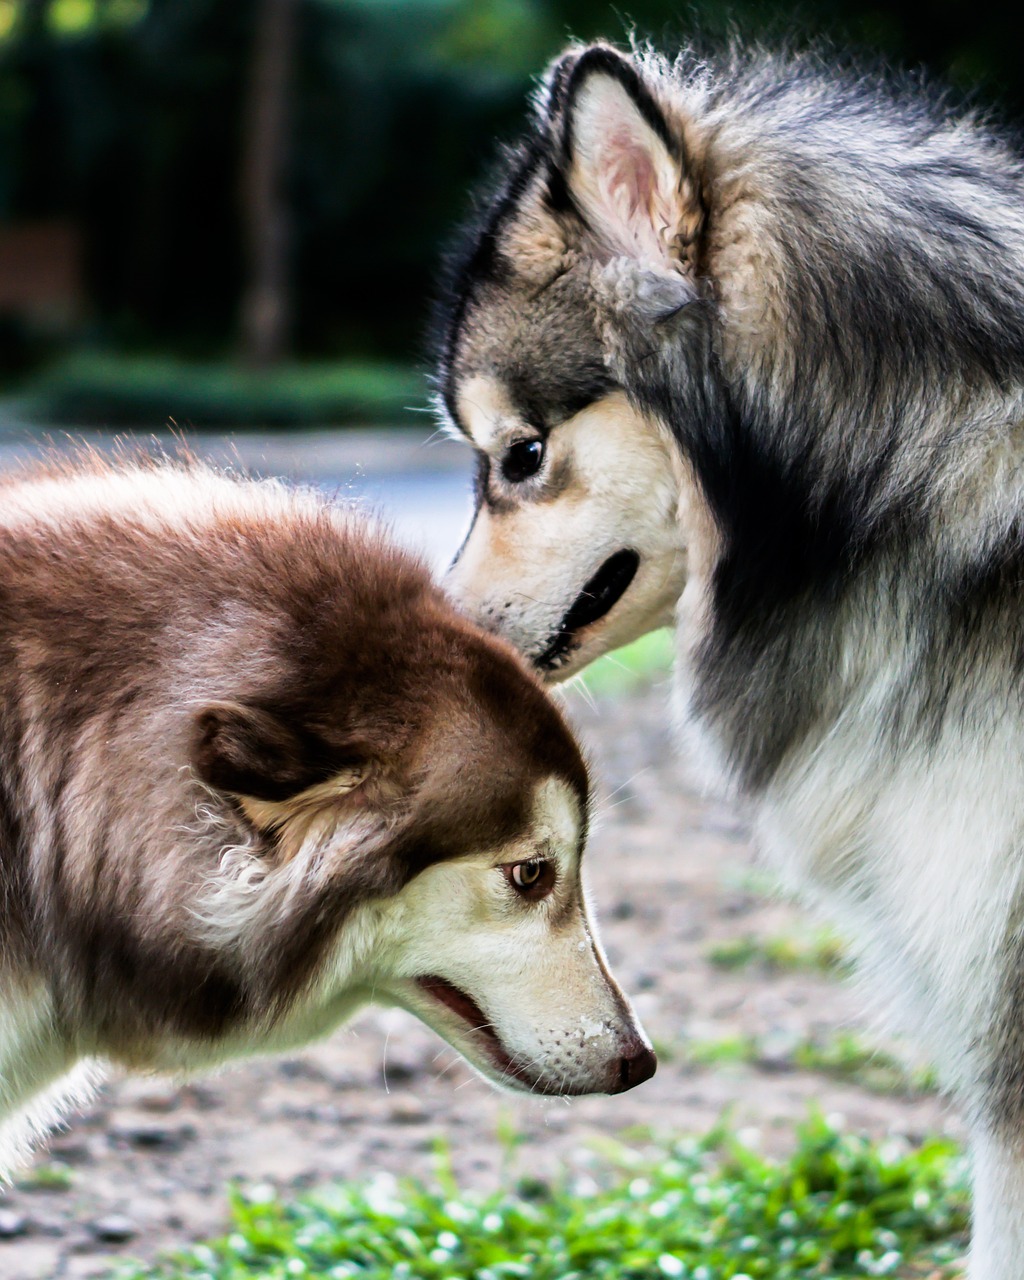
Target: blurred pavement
(421, 485)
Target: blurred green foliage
(126, 116)
(146, 391)
(813, 951)
(635, 664)
(837, 1208)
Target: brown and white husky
(254, 772)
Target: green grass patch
(840, 1206)
(843, 1056)
(55, 1176)
(820, 951)
(846, 1057)
(97, 389)
(632, 665)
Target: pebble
(399, 1069)
(407, 1110)
(149, 1093)
(315, 1113)
(738, 904)
(12, 1224)
(74, 1150)
(115, 1228)
(776, 1049)
(203, 1096)
(49, 1224)
(85, 1268)
(299, 1069)
(160, 1102)
(154, 1136)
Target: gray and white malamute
(743, 343)
(255, 771)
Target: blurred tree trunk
(265, 314)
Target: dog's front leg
(997, 1242)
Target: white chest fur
(917, 853)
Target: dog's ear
(622, 167)
(250, 751)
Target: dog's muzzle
(597, 598)
(631, 1063)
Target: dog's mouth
(598, 597)
(481, 1029)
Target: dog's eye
(533, 879)
(522, 460)
(526, 874)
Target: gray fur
(834, 337)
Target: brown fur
(180, 676)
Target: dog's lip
(465, 1007)
(462, 1004)
(599, 596)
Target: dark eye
(522, 460)
(533, 879)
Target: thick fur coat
(254, 772)
(760, 324)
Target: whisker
(384, 1062)
(576, 685)
(622, 785)
(452, 1062)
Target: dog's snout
(636, 1065)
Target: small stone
(407, 1109)
(776, 1050)
(49, 1225)
(12, 1224)
(115, 1228)
(153, 1136)
(72, 1150)
(159, 1101)
(400, 1069)
(623, 910)
(204, 1097)
(738, 904)
(84, 1267)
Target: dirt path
(145, 1168)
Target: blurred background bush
(231, 211)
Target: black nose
(636, 1066)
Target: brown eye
(533, 879)
(522, 460)
(526, 874)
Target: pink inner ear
(623, 176)
(631, 191)
(631, 174)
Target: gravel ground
(145, 1169)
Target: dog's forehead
(484, 411)
(539, 352)
(555, 827)
(558, 814)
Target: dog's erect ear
(251, 752)
(625, 172)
